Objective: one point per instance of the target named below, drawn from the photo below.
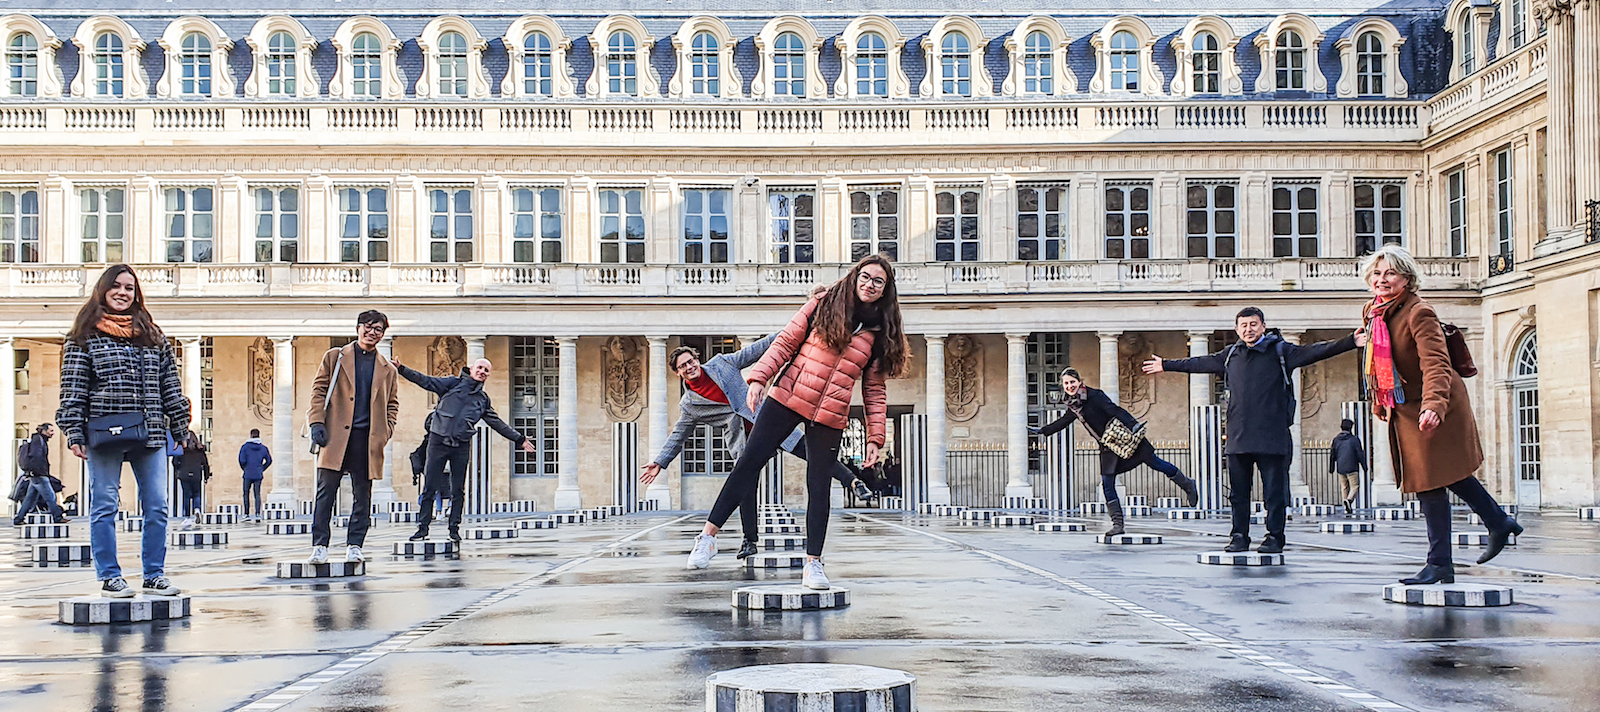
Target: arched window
(1206, 60)
(108, 69)
(1525, 418)
(1468, 45)
(1369, 65)
(1038, 64)
(872, 65)
(622, 66)
(704, 68)
(366, 66)
(1291, 61)
(789, 65)
(22, 64)
(538, 64)
(194, 63)
(955, 64)
(452, 59)
(280, 64)
(1124, 62)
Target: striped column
(625, 465)
(1205, 454)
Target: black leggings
(773, 424)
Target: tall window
(1291, 61)
(1038, 64)
(1379, 212)
(450, 236)
(22, 64)
(622, 64)
(194, 66)
(189, 224)
(789, 65)
(535, 398)
(1124, 62)
(872, 65)
(277, 224)
(452, 61)
(1127, 221)
(1048, 353)
(1213, 227)
(364, 224)
(366, 66)
(20, 372)
(875, 222)
(794, 225)
(704, 60)
(955, 224)
(955, 64)
(1469, 56)
(19, 225)
(705, 226)
(536, 224)
(1456, 207)
(705, 451)
(108, 65)
(102, 211)
(280, 64)
(1369, 65)
(1504, 203)
(1206, 61)
(1525, 410)
(1042, 222)
(1295, 227)
(622, 225)
(538, 63)
(1519, 23)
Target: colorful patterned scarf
(1379, 365)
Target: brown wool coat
(1452, 452)
(334, 410)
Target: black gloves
(319, 434)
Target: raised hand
(648, 473)
(1154, 365)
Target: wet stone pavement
(602, 616)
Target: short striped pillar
(775, 561)
(1348, 527)
(1058, 527)
(811, 686)
(489, 533)
(288, 528)
(789, 597)
(92, 610)
(1449, 595)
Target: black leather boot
(748, 548)
(1114, 510)
(1270, 544)
(1431, 574)
(422, 533)
(1497, 540)
(1190, 492)
(1238, 543)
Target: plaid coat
(108, 375)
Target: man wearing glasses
(354, 405)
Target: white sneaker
(353, 554)
(814, 578)
(705, 547)
(319, 555)
(188, 523)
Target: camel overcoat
(1452, 452)
(335, 408)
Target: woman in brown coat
(1433, 437)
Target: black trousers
(1274, 490)
(1436, 511)
(748, 514)
(252, 486)
(355, 464)
(773, 424)
(434, 481)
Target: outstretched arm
(499, 426)
(1058, 425)
(745, 357)
(1211, 363)
(1301, 356)
(431, 383)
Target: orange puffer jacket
(819, 383)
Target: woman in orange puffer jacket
(849, 332)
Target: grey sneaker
(814, 578)
(353, 554)
(705, 547)
(116, 588)
(160, 586)
(319, 555)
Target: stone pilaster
(1016, 416)
(1585, 103)
(567, 493)
(283, 420)
(1108, 365)
(657, 393)
(1297, 474)
(8, 407)
(938, 484)
(383, 490)
(193, 382)
(1560, 213)
(1199, 383)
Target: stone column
(8, 414)
(383, 490)
(1108, 365)
(474, 348)
(938, 484)
(193, 383)
(657, 393)
(1384, 491)
(1585, 102)
(568, 496)
(1297, 474)
(283, 421)
(1199, 383)
(1016, 416)
(1559, 171)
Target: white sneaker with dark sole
(705, 547)
(814, 578)
(160, 586)
(116, 588)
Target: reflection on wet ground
(987, 618)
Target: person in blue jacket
(254, 459)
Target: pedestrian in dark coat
(254, 459)
(40, 487)
(193, 470)
(1433, 438)
(1347, 458)
(1261, 408)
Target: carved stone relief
(1137, 390)
(1313, 389)
(963, 377)
(624, 378)
(447, 355)
(261, 377)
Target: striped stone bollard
(1348, 527)
(1058, 527)
(505, 532)
(804, 687)
(91, 610)
(1450, 595)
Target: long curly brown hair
(88, 322)
(835, 318)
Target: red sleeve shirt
(707, 388)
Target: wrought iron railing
(1591, 231)
(1501, 264)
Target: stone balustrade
(1467, 99)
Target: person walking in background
(1261, 408)
(41, 487)
(254, 459)
(1093, 408)
(193, 471)
(120, 397)
(355, 403)
(1433, 437)
(1348, 460)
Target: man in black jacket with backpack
(1256, 372)
(34, 460)
(462, 403)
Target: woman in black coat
(1096, 411)
(193, 469)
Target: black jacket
(1348, 455)
(1098, 412)
(193, 465)
(37, 460)
(1260, 403)
(462, 403)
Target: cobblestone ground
(602, 616)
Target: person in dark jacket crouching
(1093, 408)
(1261, 408)
(462, 403)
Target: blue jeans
(40, 493)
(105, 480)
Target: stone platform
(1128, 539)
(775, 561)
(288, 528)
(1012, 520)
(1395, 514)
(489, 533)
(424, 548)
(1169, 502)
(1348, 527)
(1092, 508)
(780, 529)
(213, 519)
(1317, 510)
(133, 524)
(546, 523)
(197, 538)
(1058, 527)
(811, 687)
(789, 597)
(1187, 514)
(978, 515)
(568, 517)
(61, 554)
(91, 610)
(1137, 510)
(404, 517)
(1451, 595)
(1478, 539)
(332, 569)
(1241, 558)
(44, 531)
(777, 520)
(770, 543)
(277, 515)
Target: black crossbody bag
(119, 430)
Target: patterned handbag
(1120, 440)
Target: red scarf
(118, 325)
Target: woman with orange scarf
(1433, 438)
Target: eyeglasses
(876, 282)
(373, 326)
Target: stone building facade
(573, 195)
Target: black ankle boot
(748, 548)
(1238, 543)
(422, 533)
(1114, 510)
(1432, 574)
(1190, 493)
(1498, 539)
